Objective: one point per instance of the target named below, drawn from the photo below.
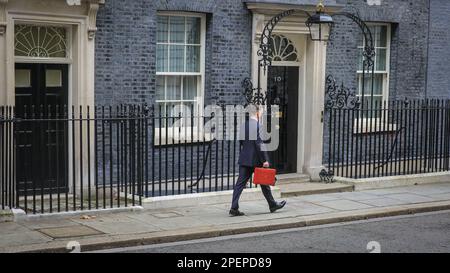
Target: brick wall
(409, 39)
(438, 80)
(125, 52)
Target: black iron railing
(81, 158)
(388, 138)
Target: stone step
(309, 188)
(292, 178)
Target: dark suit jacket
(252, 154)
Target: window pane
(193, 30)
(177, 26)
(173, 88)
(162, 58)
(376, 104)
(188, 113)
(23, 78)
(381, 36)
(176, 58)
(377, 84)
(168, 121)
(160, 88)
(160, 111)
(190, 88)
(172, 113)
(381, 60)
(53, 78)
(192, 58)
(162, 35)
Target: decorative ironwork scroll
(251, 94)
(339, 96)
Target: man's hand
(266, 164)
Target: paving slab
(411, 198)
(188, 211)
(11, 228)
(305, 208)
(48, 223)
(388, 191)
(428, 190)
(320, 197)
(440, 197)
(180, 223)
(344, 205)
(143, 216)
(170, 214)
(22, 238)
(357, 196)
(120, 225)
(383, 202)
(70, 232)
(264, 215)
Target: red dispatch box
(264, 176)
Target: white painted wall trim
(311, 86)
(81, 24)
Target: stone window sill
(374, 126)
(180, 136)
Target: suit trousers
(245, 173)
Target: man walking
(252, 155)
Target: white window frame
(373, 125)
(198, 134)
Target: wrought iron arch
(337, 96)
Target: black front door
(41, 138)
(284, 83)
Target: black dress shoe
(278, 206)
(236, 212)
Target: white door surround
(80, 22)
(312, 62)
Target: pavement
(418, 233)
(153, 226)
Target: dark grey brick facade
(438, 81)
(125, 51)
(409, 20)
(408, 58)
